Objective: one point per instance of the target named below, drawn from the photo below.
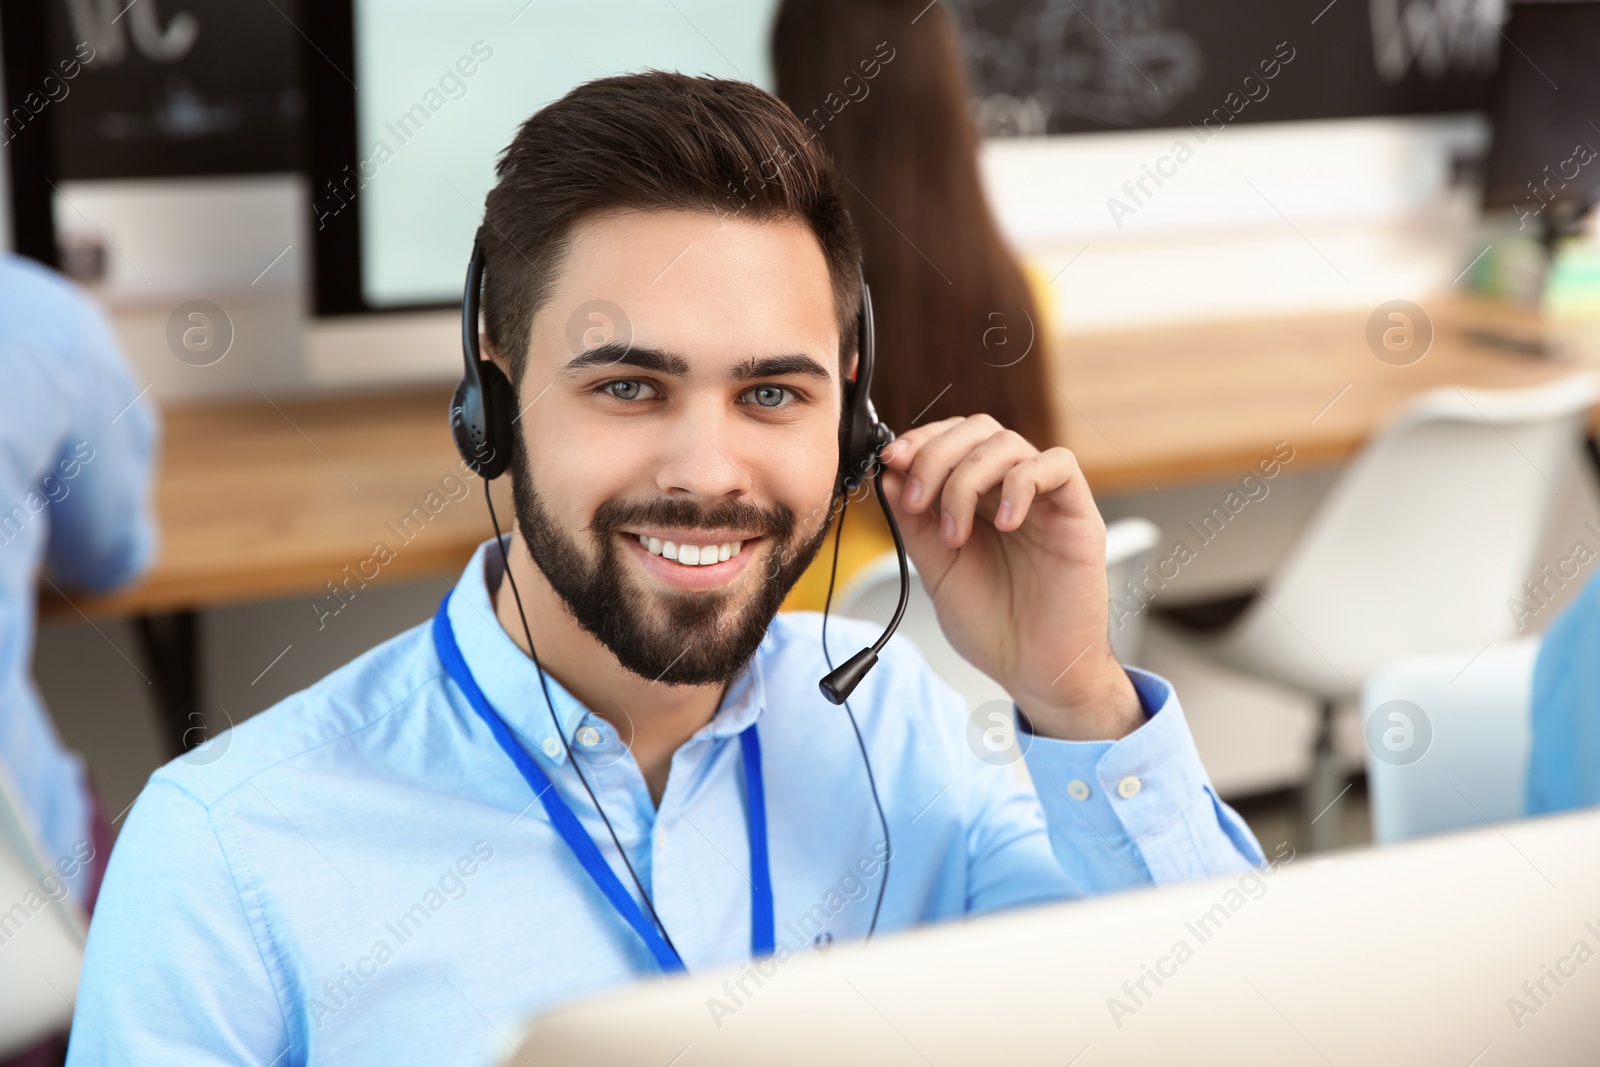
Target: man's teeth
(692, 555)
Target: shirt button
(1129, 787)
(588, 737)
(552, 747)
(1078, 789)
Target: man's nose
(701, 455)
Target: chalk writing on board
(1107, 61)
(1064, 66)
(1434, 36)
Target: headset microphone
(861, 440)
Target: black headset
(482, 411)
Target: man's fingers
(938, 456)
(904, 448)
(980, 470)
(1044, 473)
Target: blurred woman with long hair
(883, 84)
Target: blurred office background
(1221, 196)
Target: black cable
(827, 604)
(549, 703)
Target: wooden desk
(1160, 407)
(274, 499)
(271, 499)
(262, 500)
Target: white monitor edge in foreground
(1437, 951)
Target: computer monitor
(1545, 111)
(400, 167)
(1478, 948)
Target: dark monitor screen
(1546, 109)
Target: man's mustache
(777, 522)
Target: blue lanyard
(762, 932)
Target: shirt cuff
(1141, 805)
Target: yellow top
(1044, 297)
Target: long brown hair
(886, 91)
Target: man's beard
(680, 637)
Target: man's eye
(769, 396)
(627, 389)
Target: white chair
(1130, 543)
(42, 933)
(1417, 548)
(873, 593)
(1464, 762)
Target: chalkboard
(170, 88)
(1069, 66)
(181, 87)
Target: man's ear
(487, 349)
(851, 368)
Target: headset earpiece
(478, 412)
(861, 436)
(484, 402)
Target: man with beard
(558, 784)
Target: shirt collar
(510, 681)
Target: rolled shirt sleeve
(1139, 810)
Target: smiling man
(404, 861)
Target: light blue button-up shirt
(359, 875)
(1564, 762)
(77, 444)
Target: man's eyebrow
(778, 366)
(615, 354)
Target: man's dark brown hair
(653, 142)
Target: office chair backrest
(1424, 538)
(1130, 543)
(1468, 716)
(42, 933)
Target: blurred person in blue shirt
(75, 464)
(76, 451)
(1564, 764)
(403, 862)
